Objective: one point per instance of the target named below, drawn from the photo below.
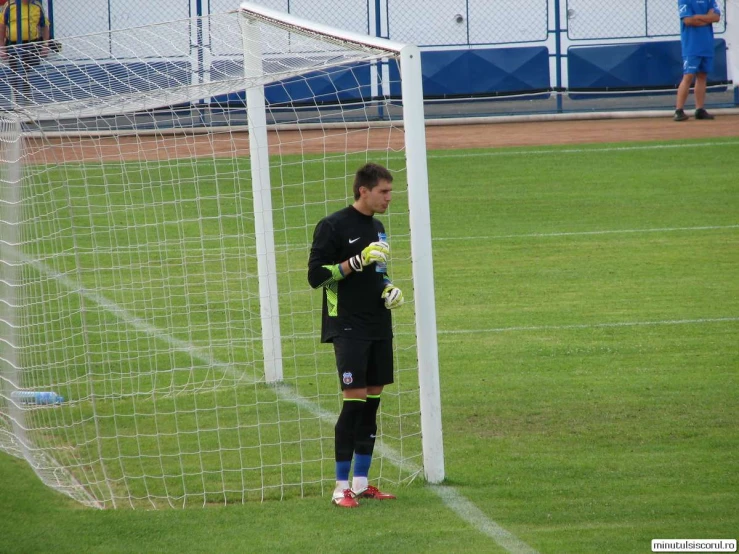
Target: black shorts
(363, 363)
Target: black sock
(364, 443)
(345, 433)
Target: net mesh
(130, 274)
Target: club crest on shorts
(347, 378)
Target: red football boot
(374, 493)
(344, 499)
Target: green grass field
(588, 315)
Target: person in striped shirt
(23, 52)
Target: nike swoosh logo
(352, 241)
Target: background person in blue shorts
(696, 36)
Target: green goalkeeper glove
(375, 252)
(393, 296)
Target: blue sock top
(362, 464)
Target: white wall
(423, 22)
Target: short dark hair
(369, 176)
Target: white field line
(135, 322)
(449, 495)
(489, 152)
(470, 513)
(588, 233)
(587, 326)
(492, 152)
(293, 247)
(509, 151)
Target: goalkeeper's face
(377, 198)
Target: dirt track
(578, 132)
(490, 135)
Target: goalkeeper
(348, 260)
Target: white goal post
(153, 259)
(732, 43)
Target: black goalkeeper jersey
(352, 307)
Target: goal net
(153, 258)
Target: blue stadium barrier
(624, 67)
